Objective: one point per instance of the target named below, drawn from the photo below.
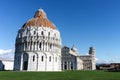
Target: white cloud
(87, 54)
(102, 61)
(113, 59)
(96, 59)
(7, 54)
(2, 51)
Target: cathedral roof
(40, 19)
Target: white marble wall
(38, 42)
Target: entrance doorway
(25, 65)
(71, 66)
(25, 61)
(65, 65)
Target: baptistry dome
(40, 19)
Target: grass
(64, 75)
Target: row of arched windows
(42, 46)
(42, 58)
(37, 46)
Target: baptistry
(38, 45)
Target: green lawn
(64, 75)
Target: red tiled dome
(40, 19)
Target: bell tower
(92, 53)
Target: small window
(55, 35)
(42, 58)
(71, 66)
(42, 33)
(50, 58)
(34, 32)
(43, 37)
(65, 65)
(48, 33)
(34, 58)
(56, 59)
(40, 46)
(50, 46)
(26, 32)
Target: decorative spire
(40, 13)
(74, 48)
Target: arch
(25, 61)
(43, 60)
(37, 56)
(43, 57)
(26, 64)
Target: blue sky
(83, 23)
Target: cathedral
(38, 47)
(71, 60)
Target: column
(67, 66)
(47, 46)
(31, 45)
(38, 44)
(21, 65)
(35, 45)
(73, 65)
(62, 65)
(42, 46)
(53, 47)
